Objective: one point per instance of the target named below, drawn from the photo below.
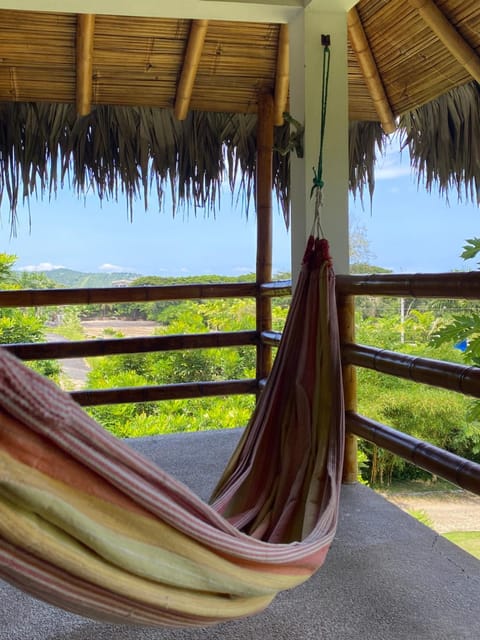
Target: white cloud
(391, 172)
(43, 266)
(392, 165)
(113, 268)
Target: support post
(306, 61)
(264, 228)
(346, 322)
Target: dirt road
(448, 511)
(76, 369)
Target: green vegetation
(22, 325)
(183, 366)
(469, 541)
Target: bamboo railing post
(346, 321)
(264, 228)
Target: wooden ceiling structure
(402, 54)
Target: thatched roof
(443, 140)
(172, 102)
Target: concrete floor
(386, 576)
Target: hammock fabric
(91, 526)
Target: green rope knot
(318, 183)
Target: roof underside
(175, 100)
(139, 61)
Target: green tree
(463, 330)
(21, 325)
(184, 317)
(430, 414)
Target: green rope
(318, 173)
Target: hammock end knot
(324, 250)
(317, 252)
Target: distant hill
(71, 279)
(76, 279)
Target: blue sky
(408, 231)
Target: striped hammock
(91, 526)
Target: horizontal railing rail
(106, 295)
(116, 346)
(462, 472)
(438, 373)
(155, 393)
(420, 285)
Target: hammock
(91, 526)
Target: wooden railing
(446, 375)
(459, 378)
(114, 346)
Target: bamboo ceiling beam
(368, 66)
(193, 54)
(84, 54)
(451, 38)
(282, 76)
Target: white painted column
(306, 66)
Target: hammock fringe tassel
(89, 525)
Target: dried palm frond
(443, 138)
(130, 151)
(365, 139)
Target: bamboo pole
(145, 344)
(52, 297)
(368, 66)
(264, 228)
(193, 55)
(437, 373)
(181, 391)
(460, 471)
(282, 76)
(84, 55)
(346, 320)
(451, 38)
(424, 285)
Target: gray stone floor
(386, 576)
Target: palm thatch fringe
(131, 151)
(443, 139)
(365, 140)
